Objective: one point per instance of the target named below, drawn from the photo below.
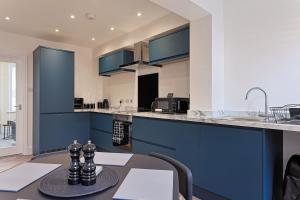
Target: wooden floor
(9, 162)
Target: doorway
(12, 119)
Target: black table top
(136, 161)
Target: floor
(9, 162)
(6, 142)
(12, 161)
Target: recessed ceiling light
(56, 30)
(7, 18)
(93, 38)
(72, 16)
(112, 28)
(139, 14)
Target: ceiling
(40, 18)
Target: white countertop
(211, 120)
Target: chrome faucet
(266, 115)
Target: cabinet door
(103, 140)
(141, 147)
(112, 61)
(103, 122)
(56, 81)
(57, 131)
(231, 161)
(169, 47)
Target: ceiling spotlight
(56, 30)
(72, 16)
(7, 18)
(93, 39)
(112, 28)
(139, 14)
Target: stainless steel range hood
(141, 57)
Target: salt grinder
(88, 171)
(75, 168)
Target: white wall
(262, 45)
(86, 78)
(173, 77)
(207, 50)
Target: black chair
(184, 175)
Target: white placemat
(146, 184)
(19, 177)
(116, 159)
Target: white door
(13, 136)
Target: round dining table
(136, 161)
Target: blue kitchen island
(227, 161)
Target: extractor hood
(141, 57)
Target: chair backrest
(184, 175)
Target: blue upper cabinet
(170, 47)
(111, 62)
(56, 80)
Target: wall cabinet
(53, 93)
(111, 62)
(170, 47)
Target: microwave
(171, 105)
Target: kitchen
(215, 85)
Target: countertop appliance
(171, 105)
(105, 104)
(78, 103)
(122, 129)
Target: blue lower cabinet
(102, 139)
(231, 162)
(102, 122)
(57, 131)
(142, 147)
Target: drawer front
(102, 122)
(141, 147)
(103, 140)
(162, 132)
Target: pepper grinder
(88, 171)
(75, 168)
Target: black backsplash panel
(147, 91)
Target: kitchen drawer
(102, 122)
(141, 147)
(103, 140)
(163, 132)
